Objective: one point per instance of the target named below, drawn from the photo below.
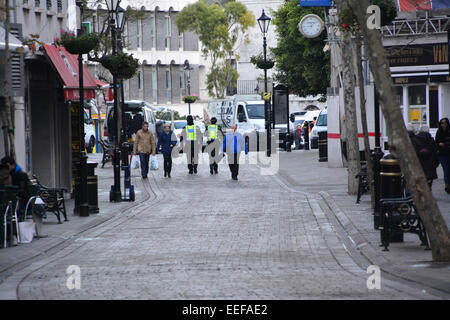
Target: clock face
(311, 26)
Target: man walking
(144, 145)
(192, 140)
(233, 144)
(214, 135)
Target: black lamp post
(113, 6)
(264, 22)
(81, 201)
(188, 70)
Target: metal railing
(416, 27)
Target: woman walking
(443, 142)
(167, 140)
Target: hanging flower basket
(189, 99)
(78, 45)
(259, 62)
(121, 65)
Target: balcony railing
(416, 27)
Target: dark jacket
(443, 137)
(427, 151)
(166, 142)
(20, 179)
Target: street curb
(9, 286)
(373, 255)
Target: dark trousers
(233, 163)
(192, 155)
(144, 159)
(212, 155)
(167, 162)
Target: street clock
(311, 26)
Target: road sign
(316, 3)
(266, 96)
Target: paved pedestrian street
(208, 237)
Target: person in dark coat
(427, 151)
(18, 177)
(443, 142)
(167, 140)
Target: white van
(320, 126)
(136, 112)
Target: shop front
(420, 74)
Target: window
(168, 85)
(49, 4)
(140, 80)
(417, 110)
(59, 4)
(182, 82)
(25, 1)
(37, 3)
(139, 33)
(399, 96)
(153, 30)
(181, 41)
(155, 85)
(167, 31)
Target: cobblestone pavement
(208, 237)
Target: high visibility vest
(212, 129)
(191, 133)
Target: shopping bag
(154, 163)
(134, 162)
(27, 231)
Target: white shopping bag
(154, 163)
(134, 162)
(27, 231)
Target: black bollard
(391, 187)
(323, 146)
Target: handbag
(27, 231)
(134, 162)
(154, 163)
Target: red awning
(67, 66)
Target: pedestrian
(214, 136)
(233, 144)
(427, 151)
(167, 140)
(144, 145)
(443, 141)
(191, 139)
(19, 178)
(298, 136)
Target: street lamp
(113, 7)
(264, 22)
(188, 69)
(81, 195)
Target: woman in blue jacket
(166, 142)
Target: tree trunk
(362, 104)
(399, 140)
(354, 165)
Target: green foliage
(218, 25)
(348, 21)
(388, 10)
(259, 62)
(122, 65)
(301, 63)
(166, 116)
(78, 44)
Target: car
(136, 112)
(177, 127)
(320, 126)
(202, 127)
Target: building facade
(162, 51)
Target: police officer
(192, 140)
(214, 136)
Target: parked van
(321, 125)
(89, 129)
(136, 112)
